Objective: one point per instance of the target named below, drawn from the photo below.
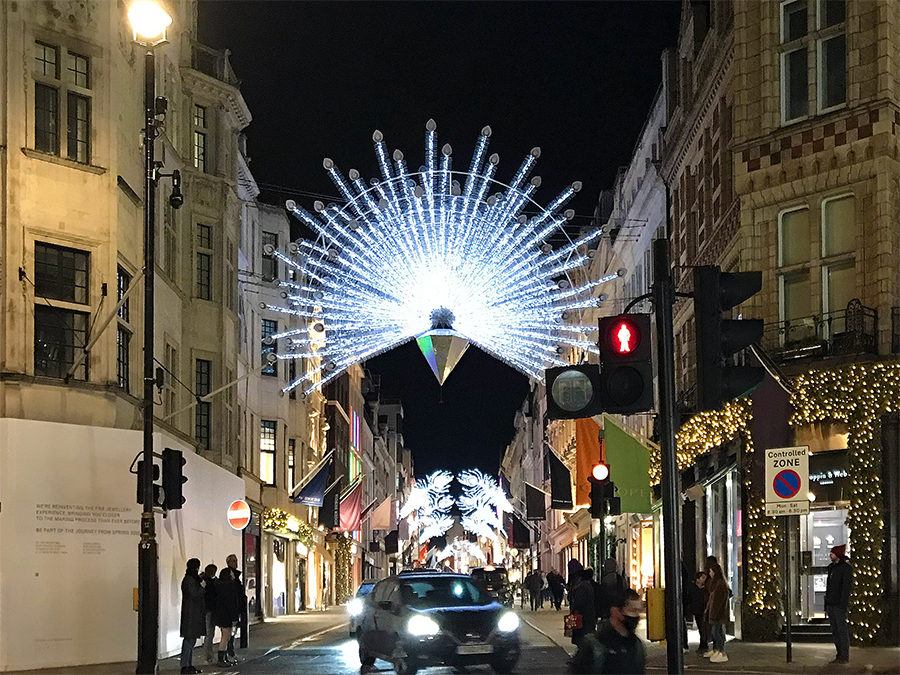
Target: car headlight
(508, 622)
(355, 607)
(421, 626)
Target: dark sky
(576, 79)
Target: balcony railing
(840, 333)
(213, 62)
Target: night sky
(576, 79)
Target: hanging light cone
(442, 349)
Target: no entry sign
(239, 514)
(787, 481)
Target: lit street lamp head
(148, 22)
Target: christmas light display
(431, 501)
(441, 256)
(482, 504)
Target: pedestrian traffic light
(573, 392)
(626, 374)
(158, 498)
(603, 490)
(716, 292)
(173, 478)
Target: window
(200, 131)
(832, 71)
(269, 346)
(123, 333)
(170, 243)
(839, 285)
(204, 262)
(269, 262)
(230, 276)
(60, 333)
(267, 433)
(795, 85)
(228, 404)
(170, 393)
(838, 226)
(202, 386)
(291, 467)
(794, 22)
(793, 237)
(54, 88)
(832, 12)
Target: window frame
(65, 84)
(779, 249)
(203, 408)
(269, 259)
(270, 370)
(833, 33)
(204, 253)
(200, 131)
(264, 428)
(124, 331)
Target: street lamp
(149, 22)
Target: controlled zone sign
(787, 481)
(239, 514)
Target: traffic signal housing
(173, 478)
(626, 373)
(573, 392)
(158, 498)
(718, 338)
(603, 493)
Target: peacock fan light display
(440, 256)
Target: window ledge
(62, 161)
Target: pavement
(744, 657)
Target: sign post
(787, 494)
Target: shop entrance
(820, 530)
(300, 585)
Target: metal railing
(843, 332)
(213, 62)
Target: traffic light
(626, 375)
(573, 392)
(603, 493)
(158, 499)
(716, 292)
(173, 478)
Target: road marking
(274, 649)
(313, 636)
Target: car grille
(468, 626)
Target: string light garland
(342, 560)
(276, 520)
(857, 395)
(435, 252)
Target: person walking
(533, 583)
(545, 588)
(716, 614)
(611, 584)
(615, 649)
(837, 601)
(209, 600)
(226, 613)
(241, 621)
(581, 601)
(573, 575)
(193, 612)
(694, 606)
(555, 582)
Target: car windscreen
(365, 589)
(432, 592)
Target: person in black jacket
(581, 601)
(209, 600)
(232, 562)
(227, 612)
(192, 613)
(615, 648)
(695, 600)
(837, 601)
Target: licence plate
(475, 649)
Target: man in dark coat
(837, 601)
(241, 621)
(611, 584)
(555, 582)
(534, 583)
(193, 614)
(695, 600)
(615, 649)
(581, 601)
(227, 612)
(209, 577)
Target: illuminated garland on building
(276, 520)
(857, 395)
(342, 560)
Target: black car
(355, 604)
(436, 619)
(495, 581)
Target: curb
(552, 639)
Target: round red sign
(239, 514)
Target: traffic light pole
(664, 300)
(148, 569)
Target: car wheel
(365, 659)
(505, 666)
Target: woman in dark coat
(716, 615)
(227, 612)
(193, 614)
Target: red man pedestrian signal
(626, 337)
(626, 372)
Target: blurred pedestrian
(533, 583)
(694, 606)
(193, 611)
(556, 583)
(241, 621)
(227, 612)
(573, 575)
(582, 602)
(837, 601)
(615, 649)
(611, 585)
(209, 598)
(717, 613)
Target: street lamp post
(149, 22)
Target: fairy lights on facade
(435, 249)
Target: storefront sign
(238, 514)
(787, 481)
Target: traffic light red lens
(600, 472)
(625, 337)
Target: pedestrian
(582, 602)
(694, 606)
(716, 614)
(837, 601)
(555, 581)
(544, 588)
(611, 584)
(615, 649)
(193, 612)
(232, 562)
(209, 598)
(533, 584)
(227, 612)
(573, 575)
(598, 593)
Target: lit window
(267, 444)
(123, 333)
(200, 131)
